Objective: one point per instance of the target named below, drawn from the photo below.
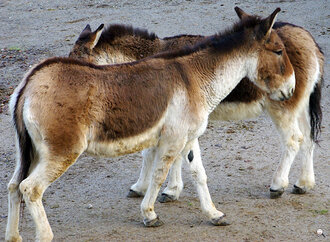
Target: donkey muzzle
(286, 91)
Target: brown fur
(136, 47)
(114, 101)
(114, 37)
(79, 94)
(68, 106)
(298, 119)
(299, 45)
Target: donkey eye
(278, 52)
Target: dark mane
(113, 31)
(182, 36)
(220, 42)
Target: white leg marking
(200, 179)
(14, 201)
(292, 137)
(142, 184)
(32, 189)
(167, 151)
(307, 178)
(175, 184)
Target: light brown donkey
(65, 107)
(298, 120)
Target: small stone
(89, 206)
(54, 206)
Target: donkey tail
(315, 110)
(24, 145)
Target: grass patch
(321, 212)
(14, 48)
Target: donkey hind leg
(292, 137)
(306, 179)
(175, 185)
(193, 158)
(33, 187)
(167, 151)
(14, 200)
(141, 186)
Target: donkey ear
(96, 36)
(241, 14)
(87, 28)
(267, 24)
(86, 31)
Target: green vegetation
(14, 48)
(321, 212)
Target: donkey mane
(221, 42)
(113, 31)
(182, 36)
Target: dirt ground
(239, 157)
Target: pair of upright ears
(266, 24)
(91, 38)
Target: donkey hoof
(221, 221)
(298, 190)
(153, 223)
(133, 193)
(164, 198)
(15, 239)
(276, 193)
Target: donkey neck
(225, 72)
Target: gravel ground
(88, 203)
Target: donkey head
(85, 43)
(275, 72)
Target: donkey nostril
(291, 91)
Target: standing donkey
(298, 120)
(64, 107)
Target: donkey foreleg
(292, 138)
(175, 185)
(141, 186)
(167, 151)
(193, 158)
(306, 179)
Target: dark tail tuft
(315, 111)
(26, 154)
(24, 141)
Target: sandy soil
(239, 157)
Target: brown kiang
(64, 107)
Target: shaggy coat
(65, 107)
(298, 119)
